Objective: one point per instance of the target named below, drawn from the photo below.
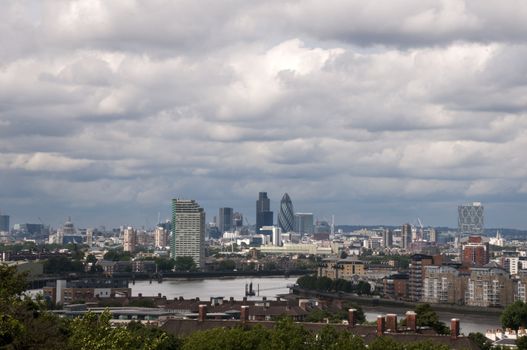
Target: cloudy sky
(374, 111)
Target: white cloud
(348, 106)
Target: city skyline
(274, 209)
(105, 117)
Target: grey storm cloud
(377, 112)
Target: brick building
(475, 252)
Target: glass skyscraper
(304, 223)
(286, 218)
(264, 216)
(4, 223)
(225, 219)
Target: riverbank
(367, 301)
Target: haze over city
(375, 112)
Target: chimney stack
(391, 323)
(380, 325)
(244, 313)
(352, 317)
(202, 313)
(454, 328)
(411, 321)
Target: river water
(271, 286)
(206, 288)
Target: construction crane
(421, 229)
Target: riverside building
(188, 225)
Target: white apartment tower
(129, 239)
(161, 237)
(188, 228)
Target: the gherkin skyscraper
(286, 218)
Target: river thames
(272, 286)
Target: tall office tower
(432, 235)
(406, 233)
(470, 218)
(160, 237)
(387, 238)
(264, 216)
(4, 223)
(225, 220)
(286, 219)
(130, 239)
(237, 220)
(143, 238)
(304, 223)
(188, 231)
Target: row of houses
(183, 317)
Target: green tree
(384, 343)
(169, 341)
(164, 264)
(184, 263)
(12, 283)
(427, 317)
(24, 323)
(342, 285)
(521, 343)
(483, 342)
(289, 335)
(343, 313)
(318, 315)
(307, 282)
(93, 331)
(62, 264)
(228, 338)
(363, 287)
(324, 283)
(426, 345)
(117, 255)
(330, 339)
(76, 251)
(514, 315)
(227, 265)
(91, 259)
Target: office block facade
(225, 220)
(406, 232)
(443, 284)
(304, 223)
(4, 223)
(264, 216)
(188, 228)
(489, 287)
(471, 218)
